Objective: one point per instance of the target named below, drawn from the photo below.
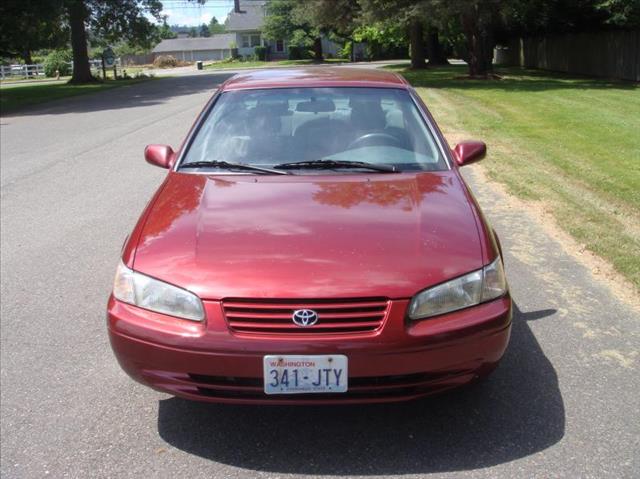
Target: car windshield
(380, 126)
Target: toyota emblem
(304, 317)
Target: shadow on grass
(513, 79)
(518, 411)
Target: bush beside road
(568, 144)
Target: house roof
(219, 41)
(251, 16)
(315, 76)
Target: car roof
(315, 76)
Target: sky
(183, 12)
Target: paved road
(564, 402)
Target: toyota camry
(312, 242)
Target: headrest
(279, 108)
(316, 106)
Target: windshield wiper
(333, 164)
(231, 165)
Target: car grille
(334, 316)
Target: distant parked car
(313, 242)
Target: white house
(244, 26)
(245, 21)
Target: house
(245, 21)
(215, 47)
(244, 33)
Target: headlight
(140, 290)
(474, 288)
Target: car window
(268, 127)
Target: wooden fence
(612, 54)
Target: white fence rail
(21, 71)
(14, 72)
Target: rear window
(268, 127)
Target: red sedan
(312, 242)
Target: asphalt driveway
(565, 402)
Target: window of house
(279, 45)
(250, 41)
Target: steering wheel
(382, 139)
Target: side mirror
(469, 152)
(160, 155)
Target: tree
(478, 20)
(482, 22)
(290, 20)
(435, 51)
(29, 25)
(165, 32)
(384, 39)
(620, 13)
(322, 15)
(204, 30)
(215, 27)
(193, 33)
(123, 20)
(470, 25)
(411, 14)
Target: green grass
(25, 81)
(236, 65)
(571, 143)
(16, 97)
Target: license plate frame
(305, 374)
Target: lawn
(236, 65)
(572, 144)
(17, 96)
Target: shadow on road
(518, 411)
(146, 93)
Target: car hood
(249, 236)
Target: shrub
(57, 60)
(298, 53)
(261, 53)
(165, 61)
(345, 51)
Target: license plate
(305, 374)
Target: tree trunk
(470, 27)
(479, 44)
(77, 17)
(435, 52)
(26, 56)
(416, 43)
(488, 44)
(317, 49)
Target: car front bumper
(402, 360)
